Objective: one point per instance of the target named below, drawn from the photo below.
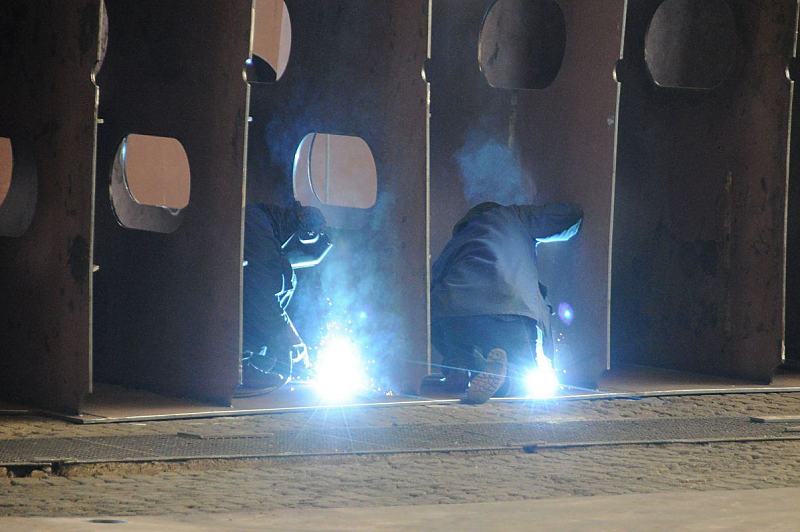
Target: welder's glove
(299, 347)
(300, 356)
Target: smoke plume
(491, 171)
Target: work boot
(455, 382)
(485, 384)
(263, 373)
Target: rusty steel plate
(48, 50)
(792, 315)
(698, 263)
(167, 314)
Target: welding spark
(541, 382)
(340, 372)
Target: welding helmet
(306, 249)
(309, 219)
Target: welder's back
(489, 265)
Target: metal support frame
(693, 184)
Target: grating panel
(406, 438)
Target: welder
(271, 343)
(488, 306)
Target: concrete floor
(770, 509)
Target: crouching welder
(277, 241)
(487, 305)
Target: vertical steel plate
(792, 315)
(564, 136)
(167, 306)
(355, 69)
(701, 187)
(48, 49)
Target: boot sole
(485, 385)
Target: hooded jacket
(489, 265)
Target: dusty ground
(409, 479)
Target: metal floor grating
(399, 439)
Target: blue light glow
(566, 314)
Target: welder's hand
(300, 355)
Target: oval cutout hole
(335, 170)
(150, 183)
(157, 171)
(691, 44)
(522, 44)
(6, 167)
(18, 187)
(272, 42)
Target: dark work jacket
(489, 265)
(269, 279)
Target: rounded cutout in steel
(102, 42)
(272, 42)
(335, 170)
(6, 167)
(18, 187)
(258, 70)
(522, 44)
(150, 183)
(691, 44)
